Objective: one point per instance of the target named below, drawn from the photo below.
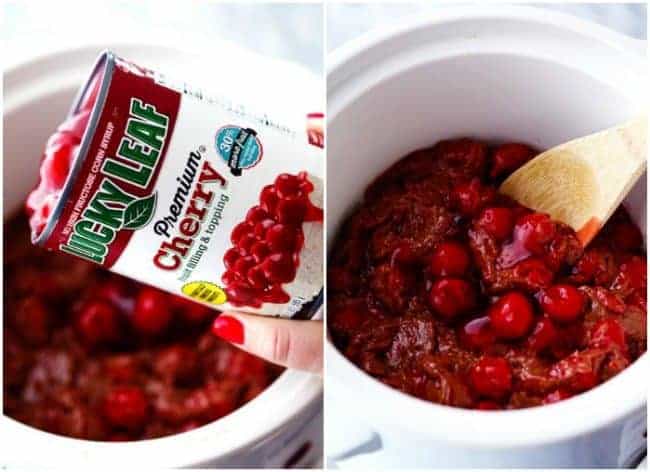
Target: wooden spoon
(582, 182)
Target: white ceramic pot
(499, 74)
(269, 431)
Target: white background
(288, 31)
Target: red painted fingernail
(228, 328)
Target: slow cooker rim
(423, 414)
(335, 360)
(365, 42)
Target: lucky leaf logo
(139, 212)
(112, 208)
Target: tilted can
(190, 193)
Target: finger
(291, 343)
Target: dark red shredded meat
(96, 356)
(444, 289)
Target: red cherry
(305, 184)
(98, 322)
(509, 157)
(287, 186)
(556, 396)
(244, 264)
(451, 297)
(477, 334)
(269, 199)
(491, 377)
(450, 259)
(291, 211)
(152, 313)
(534, 230)
(279, 268)
(497, 222)
(544, 335)
(259, 251)
(282, 238)
(126, 407)
(256, 214)
(511, 315)
(231, 257)
(242, 294)
(564, 303)
(262, 227)
(117, 291)
(191, 311)
(256, 277)
(245, 244)
(607, 333)
(229, 277)
(275, 295)
(239, 231)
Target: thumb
(296, 344)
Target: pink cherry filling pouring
(60, 151)
(267, 244)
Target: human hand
(296, 344)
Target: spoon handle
(582, 182)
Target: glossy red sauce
(444, 289)
(266, 245)
(93, 355)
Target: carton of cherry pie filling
(165, 184)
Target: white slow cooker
(283, 425)
(500, 74)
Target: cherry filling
(93, 355)
(444, 289)
(60, 151)
(267, 244)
